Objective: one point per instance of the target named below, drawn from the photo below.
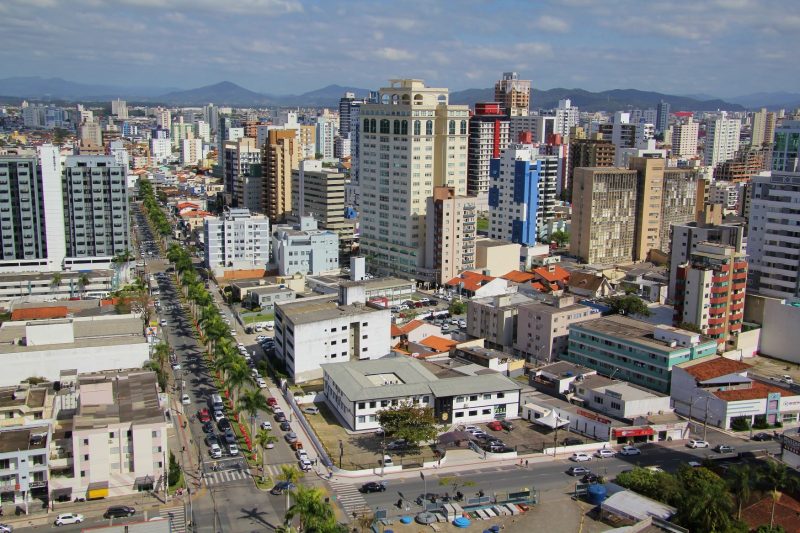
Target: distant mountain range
(228, 93)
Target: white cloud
(550, 23)
(393, 54)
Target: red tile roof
(757, 391)
(552, 273)
(438, 344)
(787, 512)
(472, 280)
(411, 326)
(719, 366)
(518, 276)
(396, 331)
(537, 285)
(183, 205)
(39, 313)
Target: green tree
(410, 422)
(775, 478)
(174, 473)
(769, 529)
(560, 237)
(55, 281)
(706, 504)
(456, 482)
(263, 439)
(628, 305)
(740, 480)
(659, 486)
(83, 281)
(314, 514)
(688, 326)
(457, 307)
(59, 135)
(237, 378)
(290, 474)
(251, 402)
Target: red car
(203, 416)
(272, 402)
(495, 426)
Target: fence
(323, 453)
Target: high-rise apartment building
(679, 203)
(522, 194)
(513, 94)
(319, 193)
(591, 152)
(326, 131)
(710, 291)
(488, 136)
(237, 240)
(191, 151)
(211, 117)
(241, 156)
(744, 165)
(345, 104)
(685, 239)
(662, 116)
(411, 142)
(96, 197)
(684, 138)
(566, 117)
(450, 240)
(787, 145)
(649, 201)
(604, 204)
(722, 140)
(163, 118)
(278, 157)
(762, 131)
(23, 235)
(119, 108)
(202, 131)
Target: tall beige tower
(279, 156)
(513, 94)
(649, 197)
(411, 141)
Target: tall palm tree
(238, 377)
(264, 438)
(161, 353)
(776, 478)
(83, 281)
(251, 402)
(290, 474)
(314, 514)
(740, 480)
(55, 281)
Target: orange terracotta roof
(537, 285)
(438, 344)
(719, 366)
(757, 391)
(787, 512)
(183, 205)
(395, 331)
(518, 276)
(39, 313)
(411, 326)
(552, 273)
(472, 280)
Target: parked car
(304, 464)
(203, 415)
(185, 400)
(208, 427)
(578, 470)
(590, 478)
(230, 436)
(215, 451)
(630, 450)
(281, 487)
(218, 415)
(571, 442)
(495, 425)
(400, 444)
(266, 424)
(119, 511)
(604, 453)
(285, 426)
(211, 439)
(233, 449)
(311, 410)
(272, 401)
(695, 443)
(69, 518)
(5, 528)
(290, 437)
(373, 486)
(724, 448)
(277, 409)
(762, 437)
(580, 457)
(262, 384)
(379, 432)
(507, 425)
(280, 417)
(301, 454)
(224, 424)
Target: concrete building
(267, 297)
(319, 193)
(780, 335)
(763, 128)
(722, 140)
(513, 94)
(43, 348)
(278, 157)
(95, 194)
(488, 137)
(567, 117)
(662, 116)
(603, 215)
(326, 132)
(241, 156)
(522, 194)
(542, 328)
(305, 249)
(717, 391)
(329, 329)
(618, 398)
(593, 152)
(787, 145)
(686, 237)
(744, 165)
(495, 258)
(710, 291)
(634, 351)
(684, 138)
(237, 240)
(495, 319)
(24, 461)
(191, 152)
(42, 286)
(119, 108)
(773, 243)
(111, 437)
(403, 157)
(358, 390)
(450, 234)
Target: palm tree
(161, 353)
(264, 438)
(314, 513)
(55, 281)
(290, 474)
(83, 281)
(776, 478)
(251, 402)
(238, 377)
(740, 480)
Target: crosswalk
(348, 496)
(176, 517)
(225, 476)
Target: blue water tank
(596, 494)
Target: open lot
(359, 450)
(527, 437)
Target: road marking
(176, 517)
(225, 476)
(349, 497)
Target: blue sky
(719, 47)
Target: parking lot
(527, 437)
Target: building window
(362, 405)
(361, 419)
(463, 127)
(486, 412)
(396, 129)
(487, 396)
(385, 125)
(155, 433)
(372, 405)
(473, 398)
(473, 413)
(366, 125)
(459, 398)
(372, 126)
(452, 127)
(404, 128)
(501, 395)
(429, 127)
(83, 473)
(417, 127)
(459, 414)
(85, 442)
(86, 457)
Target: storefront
(633, 434)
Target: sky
(717, 47)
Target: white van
(216, 402)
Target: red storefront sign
(634, 432)
(593, 416)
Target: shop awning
(98, 489)
(551, 420)
(144, 482)
(633, 432)
(62, 492)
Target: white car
(604, 453)
(262, 384)
(301, 454)
(218, 415)
(185, 400)
(696, 443)
(580, 457)
(176, 365)
(266, 424)
(233, 449)
(215, 451)
(261, 338)
(630, 450)
(233, 332)
(164, 322)
(305, 465)
(69, 518)
(276, 409)
(472, 429)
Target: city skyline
(564, 43)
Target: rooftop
(566, 369)
(470, 281)
(316, 309)
(756, 391)
(625, 391)
(16, 396)
(13, 440)
(713, 366)
(629, 329)
(112, 330)
(124, 398)
(438, 344)
(518, 276)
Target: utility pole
(705, 420)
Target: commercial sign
(633, 432)
(593, 416)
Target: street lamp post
(341, 453)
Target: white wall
(462, 405)
(780, 334)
